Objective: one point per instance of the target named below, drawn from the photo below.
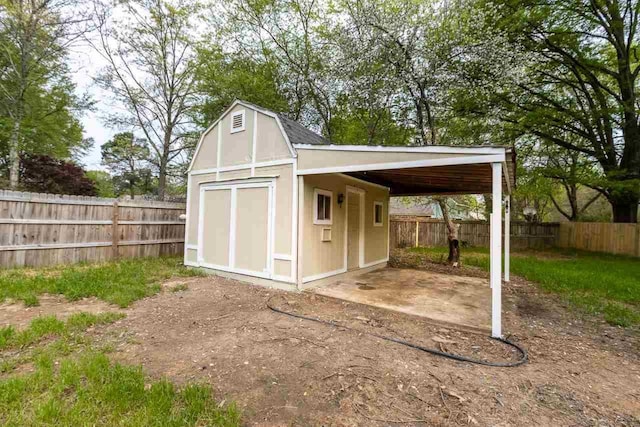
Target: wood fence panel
(622, 239)
(432, 232)
(47, 229)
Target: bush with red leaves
(44, 174)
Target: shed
(272, 203)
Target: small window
(377, 214)
(322, 207)
(237, 122)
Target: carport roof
(450, 169)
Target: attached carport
(430, 170)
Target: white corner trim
(247, 166)
(381, 223)
(323, 275)
(254, 141)
(191, 247)
(218, 152)
(326, 193)
(440, 149)
(241, 113)
(280, 278)
(372, 263)
(447, 161)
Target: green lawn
(119, 283)
(70, 381)
(598, 283)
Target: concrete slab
(464, 301)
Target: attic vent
(237, 121)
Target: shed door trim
(270, 185)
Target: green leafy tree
(224, 77)
(102, 182)
(577, 86)
(126, 156)
(148, 46)
(37, 105)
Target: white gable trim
(440, 149)
(223, 115)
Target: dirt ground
(286, 371)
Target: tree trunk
(452, 234)
(162, 178)
(624, 210)
(14, 155)
(624, 203)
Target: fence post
(115, 236)
(417, 235)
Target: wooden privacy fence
(46, 229)
(623, 239)
(416, 231)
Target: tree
(151, 70)
(102, 182)
(570, 169)
(578, 86)
(125, 156)
(45, 174)
(452, 232)
(36, 94)
(223, 77)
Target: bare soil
(286, 371)
(17, 314)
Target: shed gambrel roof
(299, 134)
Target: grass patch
(48, 326)
(597, 283)
(94, 391)
(180, 287)
(118, 283)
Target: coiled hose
(523, 353)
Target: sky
(85, 64)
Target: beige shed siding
(313, 159)
(242, 173)
(216, 227)
(282, 268)
(236, 148)
(193, 209)
(208, 153)
(325, 257)
(270, 144)
(283, 207)
(375, 237)
(252, 229)
(192, 255)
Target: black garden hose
(523, 353)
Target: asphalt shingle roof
(299, 134)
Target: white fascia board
(440, 149)
(448, 161)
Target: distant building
(418, 206)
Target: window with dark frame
(377, 213)
(324, 207)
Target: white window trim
(316, 221)
(381, 223)
(244, 123)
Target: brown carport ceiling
(455, 179)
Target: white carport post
(507, 236)
(495, 254)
